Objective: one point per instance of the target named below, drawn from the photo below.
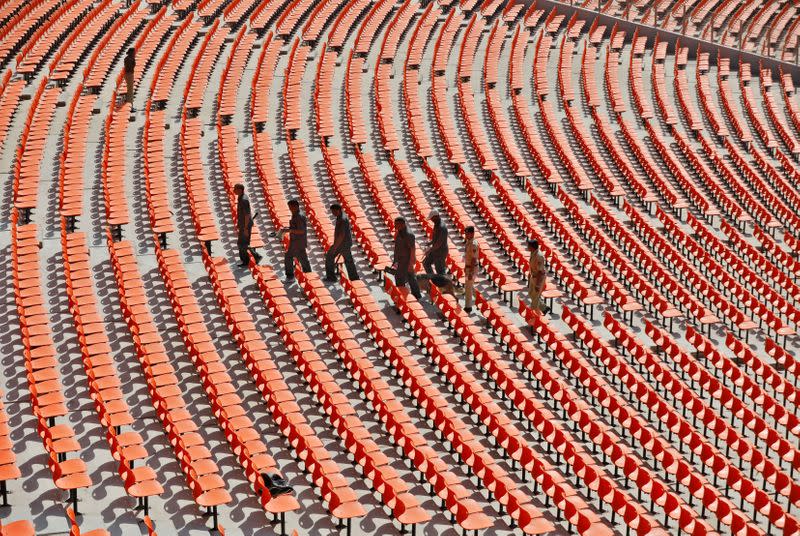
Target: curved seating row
(644, 182)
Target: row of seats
(712, 421)
(104, 382)
(773, 300)
(421, 456)
(166, 395)
(20, 23)
(468, 162)
(41, 365)
(766, 28)
(507, 436)
(359, 135)
(451, 428)
(582, 463)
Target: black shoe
(330, 280)
(276, 484)
(257, 257)
(546, 310)
(278, 480)
(275, 491)
(467, 310)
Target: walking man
(470, 267)
(130, 67)
(244, 227)
(436, 254)
(537, 278)
(405, 255)
(297, 241)
(342, 242)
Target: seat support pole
(73, 497)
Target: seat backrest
(74, 529)
(149, 524)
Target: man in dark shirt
(342, 242)
(130, 67)
(244, 227)
(436, 255)
(297, 241)
(405, 256)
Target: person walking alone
(244, 227)
(130, 67)
(342, 242)
(405, 256)
(298, 241)
(470, 267)
(537, 278)
(436, 255)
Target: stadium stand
(149, 384)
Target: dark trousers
(129, 83)
(403, 276)
(243, 243)
(330, 260)
(434, 261)
(288, 261)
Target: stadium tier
(172, 364)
